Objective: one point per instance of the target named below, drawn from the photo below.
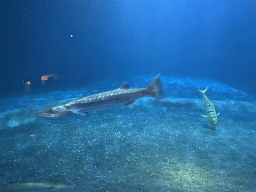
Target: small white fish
(210, 110)
(51, 187)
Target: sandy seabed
(155, 146)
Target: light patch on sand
(17, 117)
(190, 178)
(15, 122)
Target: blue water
(157, 145)
(85, 47)
(84, 41)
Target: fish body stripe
(108, 99)
(209, 107)
(121, 96)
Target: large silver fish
(109, 99)
(209, 109)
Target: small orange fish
(45, 77)
(27, 86)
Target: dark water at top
(84, 41)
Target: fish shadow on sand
(208, 130)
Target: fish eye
(49, 110)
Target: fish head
(213, 122)
(53, 114)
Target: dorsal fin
(124, 86)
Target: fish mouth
(48, 114)
(41, 116)
(38, 114)
(44, 113)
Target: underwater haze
(128, 95)
(83, 41)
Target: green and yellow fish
(210, 110)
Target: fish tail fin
(203, 91)
(155, 88)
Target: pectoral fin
(79, 111)
(204, 116)
(129, 104)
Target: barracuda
(210, 110)
(109, 99)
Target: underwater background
(56, 51)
